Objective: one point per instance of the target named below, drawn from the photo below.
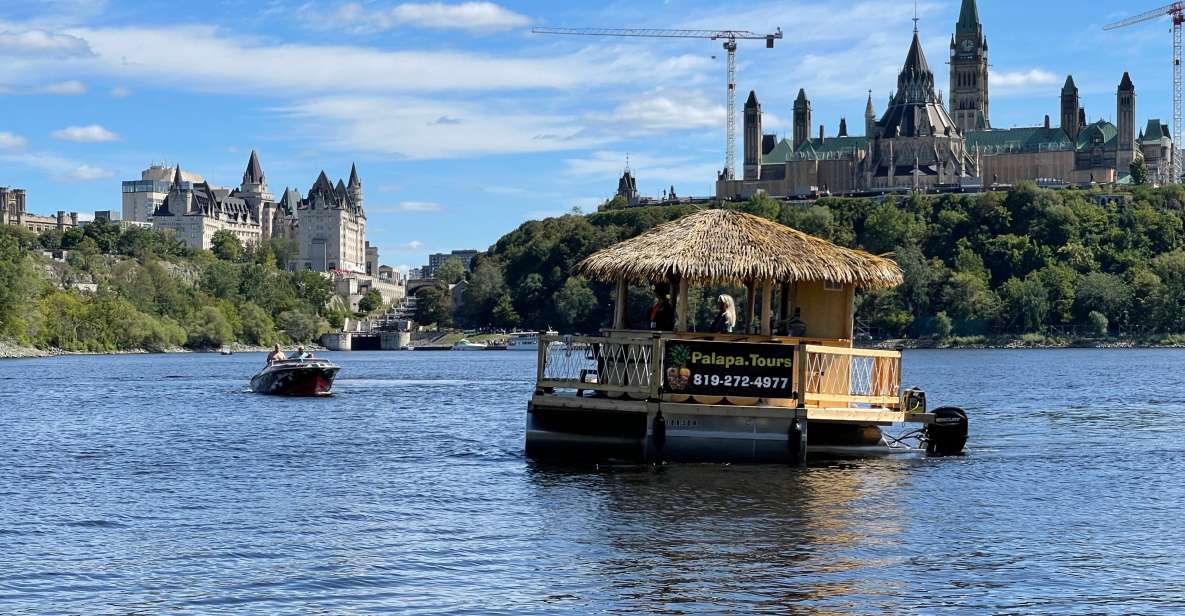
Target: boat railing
(629, 364)
(839, 377)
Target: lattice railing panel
(598, 361)
(853, 375)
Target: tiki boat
(296, 377)
(792, 384)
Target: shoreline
(11, 350)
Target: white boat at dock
(465, 345)
(528, 341)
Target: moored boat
(528, 341)
(794, 384)
(465, 345)
(296, 377)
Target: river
(156, 484)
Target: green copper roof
(968, 18)
(1156, 130)
(1101, 132)
(830, 148)
(1026, 139)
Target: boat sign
(728, 369)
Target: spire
(254, 172)
(843, 127)
(801, 96)
(354, 181)
(916, 60)
(968, 18)
(752, 102)
(869, 109)
(177, 177)
(1069, 87)
(1126, 84)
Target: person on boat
(662, 314)
(726, 319)
(303, 354)
(276, 355)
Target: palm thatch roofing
(731, 246)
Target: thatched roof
(731, 246)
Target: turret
(355, 187)
(869, 118)
(253, 180)
(843, 127)
(969, 96)
(1070, 118)
(753, 137)
(802, 119)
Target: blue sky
(461, 122)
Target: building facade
(142, 197)
(197, 211)
(438, 259)
(14, 211)
(330, 226)
(918, 144)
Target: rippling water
(156, 484)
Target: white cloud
(403, 127)
(411, 246)
(659, 111)
(91, 133)
(227, 61)
(44, 44)
(59, 168)
(69, 87)
(10, 141)
(120, 92)
(1023, 79)
(470, 16)
(419, 206)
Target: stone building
(331, 226)
(196, 211)
(141, 197)
(918, 144)
(14, 211)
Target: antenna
(915, 16)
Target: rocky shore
(11, 350)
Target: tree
(1097, 323)
(1026, 303)
(300, 326)
(451, 271)
(1105, 293)
(432, 306)
(503, 314)
(370, 302)
(618, 202)
(313, 288)
(226, 245)
(1139, 172)
(209, 328)
(257, 326)
(943, 326)
(574, 303)
(285, 249)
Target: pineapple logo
(678, 374)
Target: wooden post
(784, 305)
(802, 375)
(750, 308)
(767, 299)
(622, 300)
(681, 306)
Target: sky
(462, 123)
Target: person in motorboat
(302, 355)
(726, 320)
(276, 355)
(662, 314)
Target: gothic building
(328, 225)
(918, 144)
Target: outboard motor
(947, 436)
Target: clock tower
(969, 71)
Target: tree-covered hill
(139, 289)
(1026, 260)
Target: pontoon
(762, 397)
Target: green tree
(1026, 303)
(451, 271)
(257, 325)
(313, 289)
(503, 314)
(285, 249)
(300, 326)
(209, 328)
(1097, 323)
(226, 245)
(1139, 172)
(221, 279)
(888, 227)
(618, 202)
(432, 306)
(943, 326)
(575, 302)
(370, 302)
(1105, 293)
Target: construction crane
(730, 38)
(1176, 11)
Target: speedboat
(464, 345)
(296, 377)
